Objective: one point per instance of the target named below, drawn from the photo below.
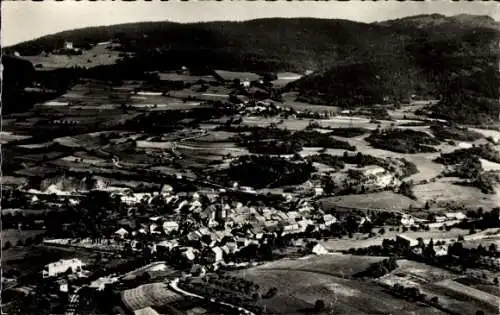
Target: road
(174, 284)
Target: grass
(31, 259)
(298, 290)
(469, 293)
(445, 193)
(337, 265)
(151, 294)
(380, 200)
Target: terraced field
(151, 294)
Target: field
(151, 294)
(379, 200)
(337, 265)
(470, 293)
(31, 259)
(298, 290)
(437, 282)
(361, 241)
(455, 196)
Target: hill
(355, 63)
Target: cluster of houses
(220, 228)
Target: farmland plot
(298, 290)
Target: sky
(25, 20)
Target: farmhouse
(61, 266)
(406, 241)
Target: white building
(245, 83)
(455, 216)
(68, 45)
(318, 249)
(170, 226)
(407, 220)
(329, 219)
(219, 254)
(121, 232)
(61, 266)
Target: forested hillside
(454, 58)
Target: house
(293, 215)
(153, 229)
(61, 266)
(318, 191)
(218, 253)
(68, 45)
(121, 232)
(319, 249)
(166, 190)
(440, 218)
(407, 220)
(245, 83)
(303, 224)
(441, 250)
(154, 219)
(230, 248)
(455, 216)
(329, 219)
(406, 241)
(189, 253)
(195, 205)
(365, 220)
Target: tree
(382, 231)
(427, 206)
(472, 230)
(493, 248)
(319, 305)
